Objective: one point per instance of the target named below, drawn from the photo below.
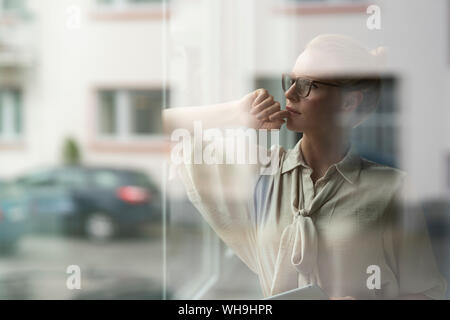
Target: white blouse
(351, 232)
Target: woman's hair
(353, 66)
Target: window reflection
(105, 202)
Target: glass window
(146, 112)
(128, 113)
(105, 179)
(11, 114)
(12, 5)
(16, 8)
(72, 178)
(39, 178)
(377, 137)
(108, 116)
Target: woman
(325, 216)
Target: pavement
(136, 268)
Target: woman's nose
(291, 94)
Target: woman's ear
(352, 100)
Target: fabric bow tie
(296, 264)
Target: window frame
(299, 7)
(4, 11)
(123, 10)
(123, 115)
(10, 132)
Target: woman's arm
(214, 116)
(257, 110)
(221, 193)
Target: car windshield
(10, 189)
(110, 179)
(72, 177)
(105, 179)
(140, 180)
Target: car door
(48, 200)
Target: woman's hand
(256, 110)
(261, 111)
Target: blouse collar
(349, 167)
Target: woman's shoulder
(371, 170)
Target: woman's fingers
(261, 95)
(267, 112)
(257, 108)
(280, 115)
(271, 125)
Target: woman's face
(319, 112)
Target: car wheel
(99, 226)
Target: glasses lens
(287, 82)
(303, 87)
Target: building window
(13, 7)
(314, 7)
(129, 9)
(11, 127)
(126, 114)
(377, 137)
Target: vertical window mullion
(8, 114)
(18, 114)
(123, 114)
(2, 116)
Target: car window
(139, 179)
(40, 178)
(10, 189)
(72, 178)
(105, 179)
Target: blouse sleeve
(409, 248)
(222, 192)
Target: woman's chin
(292, 126)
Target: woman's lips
(292, 110)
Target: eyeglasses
(302, 85)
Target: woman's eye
(314, 86)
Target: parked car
(97, 202)
(13, 219)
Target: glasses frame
(311, 82)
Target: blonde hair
(353, 66)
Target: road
(120, 269)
